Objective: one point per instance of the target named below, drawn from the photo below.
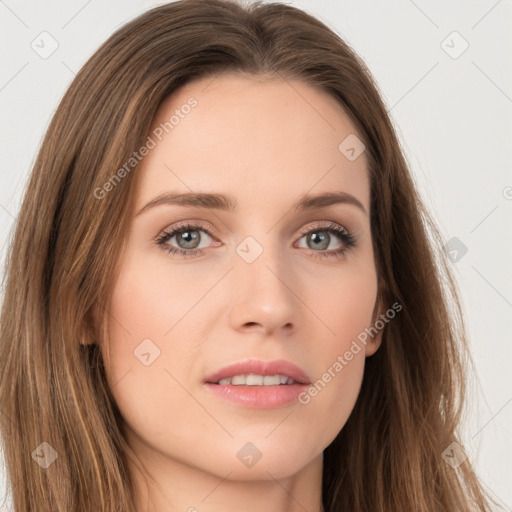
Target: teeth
(271, 380)
(256, 380)
(237, 380)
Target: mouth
(256, 380)
(258, 384)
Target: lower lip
(259, 397)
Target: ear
(379, 321)
(87, 336)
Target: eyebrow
(229, 203)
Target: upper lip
(259, 367)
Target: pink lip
(259, 367)
(261, 397)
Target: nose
(264, 295)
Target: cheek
(150, 392)
(343, 302)
(154, 299)
(152, 347)
(332, 395)
(144, 315)
(345, 306)
(337, 381)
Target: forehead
(254, 138)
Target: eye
(185, 239)
(320, 238)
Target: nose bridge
(261, 252)
(262, 260)
(263, 280)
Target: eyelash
(346, 237)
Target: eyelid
(322, 225)
(201, 225)
(195, 225)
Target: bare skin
(266, 143)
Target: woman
(221, 292)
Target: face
(207, 284)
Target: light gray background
(453, 116)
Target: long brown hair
(63, 262)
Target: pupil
(192, 237)
(322, 238)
